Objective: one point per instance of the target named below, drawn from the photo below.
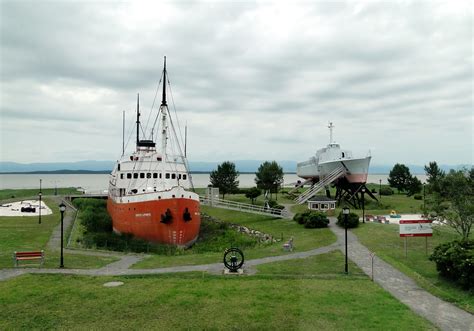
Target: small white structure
(321, 203)
(29, 207)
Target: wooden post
(406, 247)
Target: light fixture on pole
(39, 207)
(380, 189)
(363, 204)
(345, 212)
(62, 209)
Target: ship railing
(244, 207)
(326, 180)
(299, 185)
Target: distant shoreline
(106, 172)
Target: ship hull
(356, 169)
(144, 219)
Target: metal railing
(244, 207)
(335, 174)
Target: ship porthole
(182, 195)
(159, 198)
(173, 196)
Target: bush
(386, 191)
(352, 220)
(418, 197)
(311, 219)
(300, 218)
(316, 220)
(274, 204)
(374, 190)
(455, 261)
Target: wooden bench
(28, 256)
(288, 246)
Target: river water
(99, 182)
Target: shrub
(274, 204)
(386, 191)
(300, 218)
(455, 261)
(418, 197)
(352, 220)
(316, 220)
(374, 190)
(311, 219)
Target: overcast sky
(253, 80)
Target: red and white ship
(150, 190)
(332, 157)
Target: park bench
(288, 246)
(28, 256)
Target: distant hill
(243, 166)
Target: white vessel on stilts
(329, 165)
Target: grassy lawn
(304, 239)
(25, 234)
(384, 240)
(9, 194)
(308, 297)
(398, 202)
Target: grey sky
(253, 80)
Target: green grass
(9, 194)
(23, 233)
(384, 240)
(307, 297)
(304, 239)
(329, 266)
(398, 202)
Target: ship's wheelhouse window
(118, 167)
(148, 175)
(160, 175)
(155, 175)
(179, 176)
(167, 176)
(121, 176)
(173, 176)
(135, 175)
(129, 175)
(342, 154)
(184, 177)
(142, 175)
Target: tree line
(269, 178)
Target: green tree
(399, 177)
(253, 194)
(413, 186)
(269, 176)
(453, 201)
(434, 175)
(225, 178)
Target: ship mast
(330, 126)
(138, 119)
(164, 138)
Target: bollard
(372, 256)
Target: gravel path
(443, 314)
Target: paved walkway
(443, 314)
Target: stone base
(238, 272)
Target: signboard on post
(416, 228)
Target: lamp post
(345, 212)
(39, 207)
(62, 209)
(380, 189)
(363, 204)
(424, 198)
